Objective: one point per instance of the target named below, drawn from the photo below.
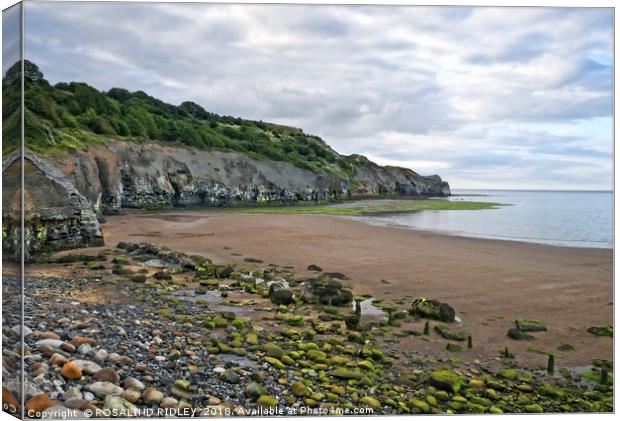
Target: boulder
(518, 335)
(280, 295)
(530, 326)
(447, 380)
(326, 290)
(433, 309)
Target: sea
(561, 218)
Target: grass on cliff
(377, 207)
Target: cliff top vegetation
(75, 115)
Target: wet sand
(489, 282)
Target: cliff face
(56, 215)
(373, 180)
(65, 193)
(134, 175)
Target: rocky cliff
(56, 215)
(65, 192)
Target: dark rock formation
(433, 309)
(326, 290)
(137, 175)
(57, 215)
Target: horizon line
(534, 189)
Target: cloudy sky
(485, 97)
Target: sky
(484, 97)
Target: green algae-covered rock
(509, 374)
(476, 384)
(602, 330)
(345, 373)
(421, 405)
(530, 325)
(533, 408)
(275, 362)
(442, 395)
(267, 401)
(495, 384)
(366, 365)
(299, 389)
(491, 394)
(481, 401)
(475, 408)
(548, 390)
(251, 338)
(287, 360)
(296, 321)
(447, 380)
(273, 350)
(315, 355)
(370, 402)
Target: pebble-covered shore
(151, 332)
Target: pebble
(103, 389)
(131, 395)
(71, 371)
(101, 355)
(152, 395)
(72, 393)
(120, 406)
(107, 375)
(39, 403)
(18, 330)
(49, 335)
(88, 367)
(133, 383)
(57, 359)
(80, 340)
(168, 403)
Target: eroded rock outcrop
(56, 215)
(139, 175)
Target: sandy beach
(490, 283)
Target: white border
(522, 3)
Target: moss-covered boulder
(345, 373)
(273, 350)
(447, 380)
(433, 309)
(509, 374)
(299, 389)
(370, 402)
(602, 330)
(420, 405)
(530, 325)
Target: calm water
(566, 218)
